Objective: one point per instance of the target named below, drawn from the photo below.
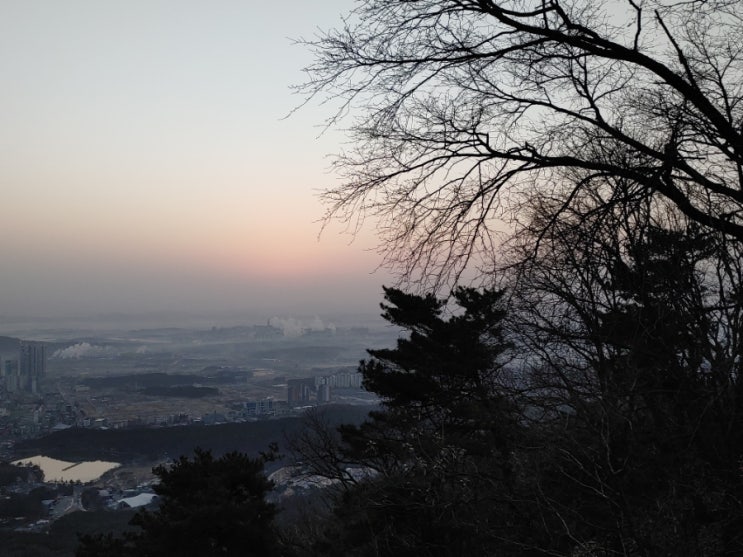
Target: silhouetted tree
(458, 105)
(613, 139)
(630, 322)
(11, 473)
(208, 506)
(431, 473)
(600, 415)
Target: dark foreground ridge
(152, 444)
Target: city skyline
(147, 164)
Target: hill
(149, 444)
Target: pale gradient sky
(145, 165)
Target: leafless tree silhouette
(455, 106)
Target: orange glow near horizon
(219, 245)
(160, 169)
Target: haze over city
(146, 163)
(186, 369)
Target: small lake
(63, 471)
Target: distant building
(267, 331)
(262, 407)
(323, 393)
(298, 390)
(11, 376)
(32, 366)
(319, 388)
(341, 380)
(136, 501)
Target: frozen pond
(62, 471)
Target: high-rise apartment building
(11, 376)
(32, 366)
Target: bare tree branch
(458, 106)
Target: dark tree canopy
(457, 107)
(609, 136)
(594, 409)
(208, 506)
(433, 461)
(445, 360)
(629, 321)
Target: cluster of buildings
(263, 407)
(319, 389)
(24, 373)
(22, 513)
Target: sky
(146, 163)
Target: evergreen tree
(436, 459)
(208, 506)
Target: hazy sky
(145, 165)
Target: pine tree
(208, 506)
